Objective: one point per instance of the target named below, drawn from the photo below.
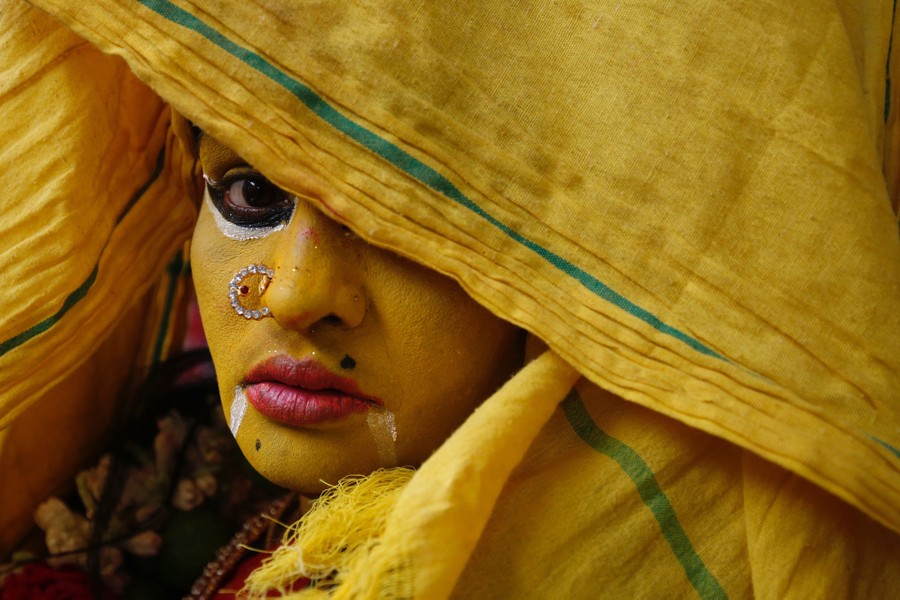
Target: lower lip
(298, 407)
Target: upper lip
(308, 374)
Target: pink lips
(303, 392)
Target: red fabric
(39, 581)
(243, 570)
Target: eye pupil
(257, 194)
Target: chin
(311, 488)
(311, 470)
(297, 480)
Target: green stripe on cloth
(157, 170)
(82, 290)
(886, 445)
(173, 272)
(70, 301)
(706, 585)
(412, 166)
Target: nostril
(328, 321)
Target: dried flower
(211, 444)
(207, 484)
(172, 432)
(146, 543)
(146, 488)
(90, 484)
(141, 489)
(187, 495)
(110, 561)
(64, 531)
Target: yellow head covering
(693, 207)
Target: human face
(368, 360)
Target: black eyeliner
(248, 217)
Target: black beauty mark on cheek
(258, 445)
(347, 362)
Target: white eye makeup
(247, 206)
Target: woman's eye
(252, 193)
(250, 200)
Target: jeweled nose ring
(246, 288)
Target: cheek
(441, 328)
(214, 261)
(470, 351)
(209, 267)
(204, 259)
(448, 355)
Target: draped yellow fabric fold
(694, 206)
(94, 211)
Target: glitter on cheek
(238, 408)
(237, 232)
(384, 433)
(393, 428)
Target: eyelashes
(247, 199)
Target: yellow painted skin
(420, 343)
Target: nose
(318, 280)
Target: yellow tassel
(335, 537)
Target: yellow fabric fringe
(334, 538)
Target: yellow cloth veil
(693, 206)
